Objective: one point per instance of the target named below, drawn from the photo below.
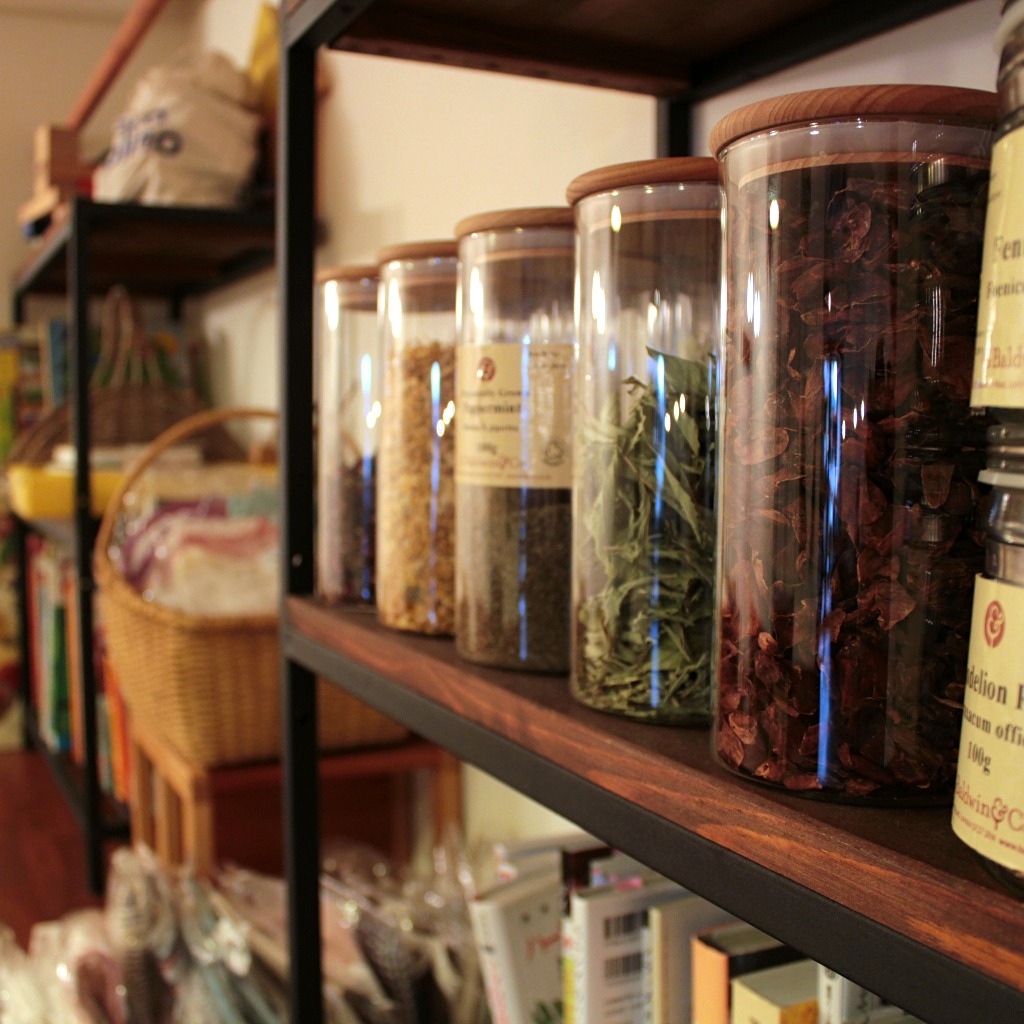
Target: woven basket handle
(194, 424)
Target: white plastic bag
(188, 138)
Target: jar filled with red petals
(849, 534)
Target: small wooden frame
(174, 803)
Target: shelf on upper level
(154, 251)
(664, 48)
(887, 895)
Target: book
(841, 1001)
(787, 994)
(608, 925)
(516, 857)
(575, 876)
(723, 952)
(671, 927)
(517, 935)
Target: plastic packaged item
(648, 274)
(416, 485)
(350, 392)
(848, 533)
(988, 805)
(999, 359)
(513, 460)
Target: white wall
(406, 150)
(48, 52)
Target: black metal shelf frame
(73, 241)
(932, 985)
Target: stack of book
(572, 932)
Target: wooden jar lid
(443, 248)
(882, 102)
(348, 272)
(660, 171)
(507, 220)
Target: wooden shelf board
(154, 251)
(663, 48)
(889, 867)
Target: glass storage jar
(988, 805)
(513, 458)
(848, 540)
(648, 280)
(999, 358)
(416, 484)
(349, 394)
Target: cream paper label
(988, 807)
(998, 379)
(514, 405)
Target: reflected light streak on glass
(332, 305)
(659, 441)
(832, 461)
(435, 484)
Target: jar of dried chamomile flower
(848, 534)
(416, 485)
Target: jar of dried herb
(999, 357)
(848, 535)
(988, 805)
(416, 483)
(349, 396)
(513, 459)
(648, 273)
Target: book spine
(842, 1001)
(486, 931)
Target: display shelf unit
(157, 253)
(886, 896)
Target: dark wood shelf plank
(664, 48)
(155, 251)
(874, 872)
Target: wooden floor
(42, 853)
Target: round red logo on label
(486, 368)
(995, 623)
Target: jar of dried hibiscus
(416, 483)
(649, 284)
(848, 535)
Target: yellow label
(514, 404)
(999, 352)
(988, 807)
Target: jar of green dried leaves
(648, 273)
(349, 396)
(849, 536)
(416, 482)
(513, 461)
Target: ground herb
(849, 536)
(357, 496)
(514, 562)
(646, 546)
(415, 496)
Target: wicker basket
(209, 686)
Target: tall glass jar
(513, 458)
(349, 397)
(848, 540)
(988, 806)
(999, 357)
(648, 279)
(416, 486)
